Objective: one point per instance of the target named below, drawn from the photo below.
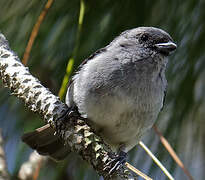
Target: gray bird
(120, 89)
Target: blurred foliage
(182, 119)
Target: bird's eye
(144, 37)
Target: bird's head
(149, 38)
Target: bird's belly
(119, 123)
(128, 128)
(122, 113)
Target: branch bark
(77, 134)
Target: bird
(119, 90)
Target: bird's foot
(70, 115)
(116, 162)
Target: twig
(4, 175)
(172, 152)
(26, 55)
(156, 160)
(30, 169)
(71, 61)
(35, 32)
(132, 168)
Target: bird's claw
(116, 162)
(71, 114)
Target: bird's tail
(45, 142)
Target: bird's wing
(69, 95)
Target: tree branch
(77, 134)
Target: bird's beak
(165, 48)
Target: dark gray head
(150, 38)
